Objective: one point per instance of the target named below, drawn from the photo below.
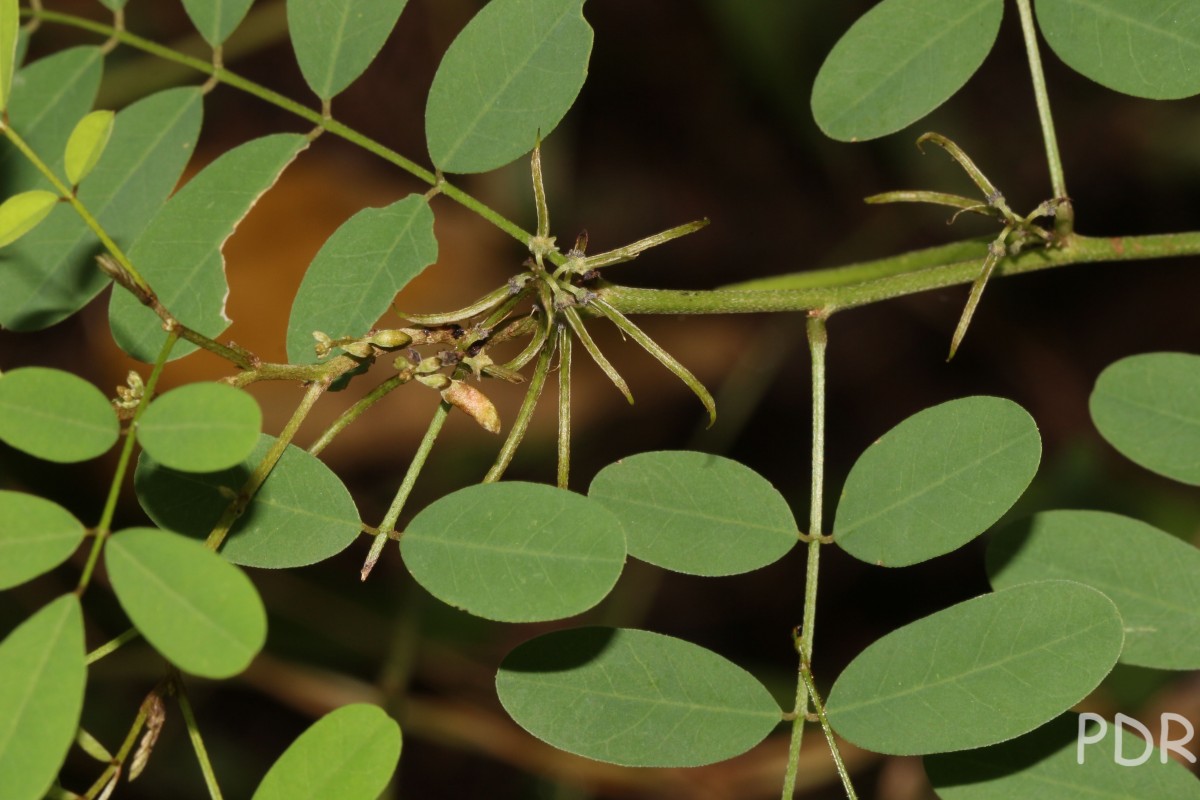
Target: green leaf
(509, 76)
(36, 536)
(10, 27)
(1014, 659)
(1044, 764)
(51, 273)
(201, 427)
(1143, 48)
(634, 697)
(937, 480)
(696, 513)
(1149, 575)
(179, 253)
(356, 275)
(515, 552)
(899, 61)
(42, 676)
(1145, 406)
(55, 415)
(348, 754)
(23, 212)
(201, 612)
(216, 19)
(87, 144)
(302, 514)
(336, 40)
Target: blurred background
(692, 108)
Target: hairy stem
(564, 407)
(1058, 182)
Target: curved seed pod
(480, 306)
(589, 344)
(466, 397)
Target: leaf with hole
(1045, 764)
(509, 77)
(36, 535)
(51, 273)
(1016, 658)
(1149, 574)
(1145, 406)
(52, 414)
(216, 19)
(302, 514)
(42, 676)
(515, 552)
(336, 40)
(634, 698)
(352, 281)
(937, 480)
(86, 145)
(200, 427)
(696, 513)
(179, 252)
(348, 754)
(1140, 47)
(23, 212)
(201, 612)
(900, 61)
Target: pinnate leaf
(336, 40)
(55, 415)
(179, 253)
(1145, 406)
(42, 676)
(515, 552)
(301, 515)
(512, 73)
(937, 480)
(1045, 764)
(201, 612)
(899, 61)
(23, 212)
(635, 698)
(354, 278)
(696, 513)
(36, 535)
(1146, 48)
(1016, 658)
(216, 19)
(348, 754)
(1150, 575)
(201, 427)
(87, 144)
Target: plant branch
(1057, 180)
(564, 407)
(185, 706)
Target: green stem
(185, 706)
(104, 527)
(521, 424)
(234, 510)
(1057, 180)
(817, 341)
(357, 410)
(111, 646)
(564, 407)
(839, 764)
(110, 773)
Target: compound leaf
(354, 278)
(42, 676)
(55, 415)
(51, 273)
(515, 552)
(302, 514)
(1018, 658)
(201, 427)
(635, 698)
(199, 611)
(1145, 406)
(1149, 575)
(179, 253)
(696, 513)
(36, 536)
(511, 75)
(336, 40)
(937, 480)
(1146, 48)
(348, 754)
(216, 19)
(899, 61)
